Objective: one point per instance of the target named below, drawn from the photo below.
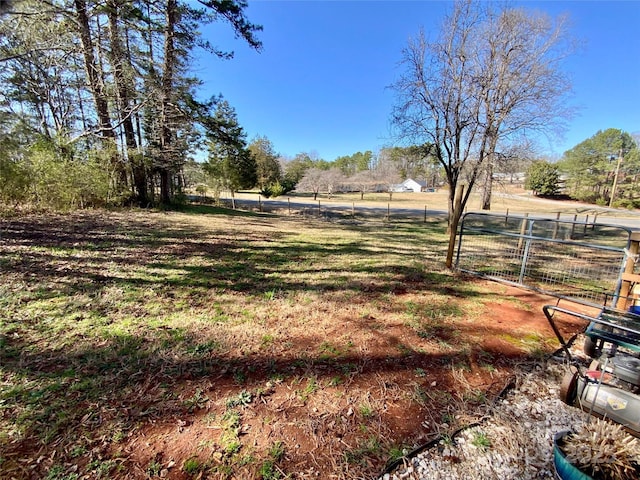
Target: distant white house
(410, 185)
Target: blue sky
(319, 83)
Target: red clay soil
(319, 432)
(342, 424)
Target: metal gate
(582, 262)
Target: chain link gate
(579, 261)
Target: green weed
(230, 419)
(154, 468)
(310, 388)
(368, 447)
(56, 472)
(396, 452)
(475, 396)
(277, 451)
(419, 395)
(328, 350)
(366, 410)
(197, 401)
(231, 446)
(203, 349)
(239, 377)
(267, 340)
(268, 471)
(192, 466)
(243, 399)
(229, 439)
(480, 440)
(349, 368)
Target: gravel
(514, 441)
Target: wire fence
(579, 261)
(327, 210)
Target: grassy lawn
(216, 344)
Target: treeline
(603, 169)
(97, 105)
(260, 166)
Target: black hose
(416, 451)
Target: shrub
(14, 181)
(272, 190)
(62, 182)
(628, 203)
(543, 178)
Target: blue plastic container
(635, 309)
(564, 469)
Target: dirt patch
(173, 346)
(408, 399)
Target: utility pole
(615, 178)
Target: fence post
(506, 218)
(555, 227)
(289, 204)
(260, 203)
(523, 229)
(425, 214)
(318, 207)
(586, 221)
(595, 220)
(353, 209)
(573, 227)
(527, 247)
(388, 212)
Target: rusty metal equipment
(610, 386)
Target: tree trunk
(454, 219)
(97, 87)
(119, 61)
(487, 187)
(165, 187)
(492, 142)
(166, 136)
(93, 75)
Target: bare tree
(488, 76)
(333, 179)
(363, 181)
(517, 59)
(312, 181)
(386, 173)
